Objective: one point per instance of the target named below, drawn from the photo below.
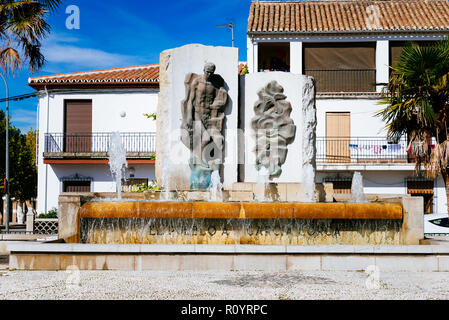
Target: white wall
(382, 63)
(376, 182)
(101, 180)
(107, 106)
(363, 121)
(440, 196)
(392, 182)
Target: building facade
(349, 47)
(77, 114)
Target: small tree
(23, 172)
(32, 142)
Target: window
(340, 185)
(419, 187)
(341, 67)
(78, 126)
(76, 183)
(274, 57)
(396, 48)
(76, 186)
(338, 137)
(441, 222)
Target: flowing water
(117, 161)
(309, 183)
(166, 178)
(216, 187)
(240, 231)
(262, 184)
(357, 191)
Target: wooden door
(78, 126)
(338, 137)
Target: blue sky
(117, 33)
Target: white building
(77, 113)
(347, 46)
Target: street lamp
(7, 157)
(229, 25)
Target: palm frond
(10, 60)
(439, 160)
(22, 28)
(416, 100)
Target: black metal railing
(344, 80)
(361, 150)
(97, 142)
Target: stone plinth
(278, 258)
(279, 192)
(69, 218)
(413, 222)
(172, 166)
(286, 88)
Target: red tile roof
(356, 16)
(145, 75)
(138, 75)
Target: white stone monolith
(298, 91)
(172, 165)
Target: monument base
(276, 192)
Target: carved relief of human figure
(203, 114)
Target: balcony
(139, 145)
(344, 80)
(362, 150)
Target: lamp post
(229, 25)
(7, 158)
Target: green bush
(52, 214)
(139, 188)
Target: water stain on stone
(274, 280)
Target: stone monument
(197, 117)
(273, 129)
(278, 115)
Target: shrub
(52, 214)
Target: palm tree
(22, 28)
(417, 105)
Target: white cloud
(61, 37)
(70, 53)
(85, 57)
(23, 119)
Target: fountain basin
(90, 219)
(211, 210)
(225, 223)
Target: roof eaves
(350, 32)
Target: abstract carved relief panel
(272, 128)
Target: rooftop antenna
(229, 25)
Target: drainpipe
(46, 166)
(37, 136)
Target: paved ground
(105, 285)
(222, 285)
